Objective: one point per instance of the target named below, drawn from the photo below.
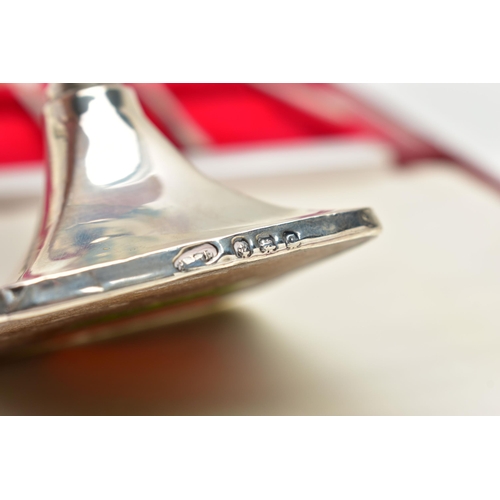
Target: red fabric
(230, 114)
(234, 113)
(21, 139)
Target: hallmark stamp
(267, 244)
(242, 248)
(196, 257)
(292, 240)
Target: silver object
(130, 224)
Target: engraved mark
(195, 257)
(267, 244)
(242, 249)
(292, 240)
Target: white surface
(237, 162)
(407, 324)
(463, 119)
(293, 157)
(22, 182)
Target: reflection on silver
(113, 157)
(129, 223)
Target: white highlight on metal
(113, 151)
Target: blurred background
(407, 324)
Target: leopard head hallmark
(267, 244)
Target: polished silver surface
(130, 223)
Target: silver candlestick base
(130, 224)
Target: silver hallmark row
(266, 244)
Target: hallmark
(242, 248)
(196, 257)
(292, 240)
(267, 244)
